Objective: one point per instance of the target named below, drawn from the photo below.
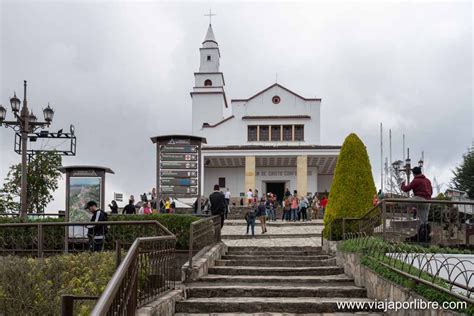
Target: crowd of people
(146, 206)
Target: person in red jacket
(422, 190)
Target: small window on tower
(208, 83)
(252, 133)
(299, 132)
(208, 57)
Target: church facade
(269, 141)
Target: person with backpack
(96, 233)
(286, 209)
(269, 207)
(303, 208)
(250, 218)
(261, 214)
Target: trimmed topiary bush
(352, 189)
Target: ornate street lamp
(25, 122)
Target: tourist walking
(286, 209)
(227, 202)
(315, 208)
(96, 233)
(261, 215)
(323, 203)
(145, 209)
(113, 207)
(303, 207)
(167, 205)
(269, 207)
(249, 197)
(250, 218)
(217, 200)
(129, 208)
(294, 207)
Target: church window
(276, 133)
(264, 133)
(252, 133)
(208, 57)
(276, 99)
(299, 132)
(208, 83)
(287, 133)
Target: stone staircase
(271, 280)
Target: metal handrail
(195, 234)
(106, 299)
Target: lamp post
(25, 122)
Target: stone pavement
(283, 234)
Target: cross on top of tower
(210, 15)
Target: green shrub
(353, 187)
(34, 286)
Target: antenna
(390, 157)
(381, 156)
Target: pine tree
(463, 179)
(353, 189)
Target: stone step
(265, 290)
(251, 270)
(267, 236)
(277, 263)
(335, 279)
(279, 314)
(270, 249)
(278, 223)
(258, 256)
(271, 304)
(286, 253)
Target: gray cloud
(122, 72)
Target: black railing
(443, 272)
(145, 273)
(202, 233)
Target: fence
(146, 272)
(450, 274)
(49, 238)
(450, 222)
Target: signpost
(178, 161)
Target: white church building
(268, 141)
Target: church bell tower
(209, 101)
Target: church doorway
(277, 188)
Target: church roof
(210, 39)
(280, 86)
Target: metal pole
(381, 157)
(40, 240)
(390, 160)
(384, 218)
(24, 162)
(67, 305)
(190, 261)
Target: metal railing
(50, 238)
(450, 222)
(202, 233)
(145, 272)
(35, 215)
(446, 273)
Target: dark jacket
(217, 200)
(421, 187)
(98, 230)
(129, 209)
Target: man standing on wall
(422, 190)
(218, 206)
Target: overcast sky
(121, 72)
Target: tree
(353, 189)
(463, 179)
(43, 176)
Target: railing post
(118, 253)
(40, 240)
(67, 305)
(191, 241)
(384, 219)
(343, 229)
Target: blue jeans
(293, 214)
(251, 223)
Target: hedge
(16, 238)
(352, 189)
(34, 286)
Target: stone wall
(202, 261)
(381, 289)
(163, 306)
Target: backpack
(250, 214)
